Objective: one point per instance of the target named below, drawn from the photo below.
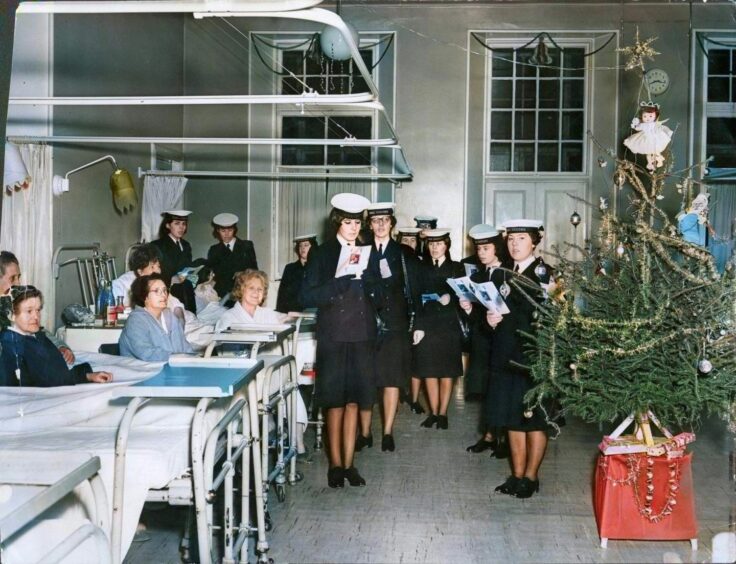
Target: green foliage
(634, 318)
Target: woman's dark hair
(535, 236)
(393, 221)
(142, 256)
(19, 294)
(446, 240)
(163, 229)
(502, 250)
(312, 245)
(7, 258)
(216, 234)
(336, 218)
(140, 287)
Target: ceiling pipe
(347, 142)
(364, 100)
(158, 6)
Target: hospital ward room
(367, 281)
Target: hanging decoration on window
(541, 56)
(333, 44)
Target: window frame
(495, 42)
(716, 109)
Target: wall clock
(658, 81)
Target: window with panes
(315, 72)
(536, 113)
(721, 107)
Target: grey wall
(149, 54)
(102, 56)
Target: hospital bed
(153, 443)
(26, 496)
(274, 400)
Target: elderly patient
(250, 290)
(28, 357)
(152, 332)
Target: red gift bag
(640, 497)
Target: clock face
(658, 81)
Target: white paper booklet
(470, 268)
(488, 295)
(463, 288)
(353, 260)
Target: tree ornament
(620, 249)
(528, 414)
(603, 163)
(705, 366)
(575, 219)
(619, 178)
(639, 51)
(504, 290)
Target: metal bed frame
(55, 489)
(233, 442)
(90, 268)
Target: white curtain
(722, 217)
(26, 228)
(304, 205)
(160, 193)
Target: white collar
(21, 332)
(383, 242)
(174, 239)
(344, 242)
(523, 265)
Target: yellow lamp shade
(123, 190)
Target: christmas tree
(644, 321)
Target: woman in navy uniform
(490, 254)
(346, 334)
(437, 333)
(527, 428)
(176, 254)
(293, 276)
(230, 255)
(393, 348)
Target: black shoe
(481, 446)
(509, 486)
(354, 479)
(429, 421)
(336, 477)
(416, 407)
(526, 488)
(387, 443)
(361, 442)
(442, 422)
(501, 450)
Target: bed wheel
(268, 523)
(280, 492)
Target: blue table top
(191, 382)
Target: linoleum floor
(430, 501)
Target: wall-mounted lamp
(15, 173)
(121, 184)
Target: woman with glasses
(28, 357)
(152, 332)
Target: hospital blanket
(83, 420)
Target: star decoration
(639, 51)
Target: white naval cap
(483, 233)
(381, 208)
(308, 237)
(177, 213)
(440, 234)
(351, 205)
(523, 226)
(225, 219)
(426, 221)
(408, 231)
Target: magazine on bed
(353, 260)
(486, 293)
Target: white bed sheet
(82, 421)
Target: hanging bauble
(620, 249)
(504, 290)
(540, 270)
(528, 414)
(333, 43)
(603, 163)
(619, 178)
(575, 219)
(705, 366)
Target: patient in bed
(28, 357)
(152, 332)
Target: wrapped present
(643, 497)
(642, 441)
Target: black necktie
(488, 273)
(516, 268)
(436, 263)
(380, 249)
(181, 247)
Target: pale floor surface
(430, 501)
